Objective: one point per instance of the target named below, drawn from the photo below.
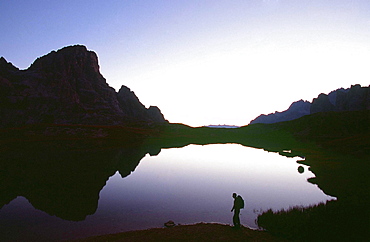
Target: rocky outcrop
(356, 98)
(66, 87)
(296, 110)
(131, 106)
(321, 104)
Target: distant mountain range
(355, 98)
(223, 126)
(66, 87)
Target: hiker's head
(234, 195)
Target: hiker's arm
(233, 206)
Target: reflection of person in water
(238, 204)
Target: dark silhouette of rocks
(62, 181)
(131, 106)
(356, 98)
(66, 87)
(321, 104)
(296, 110)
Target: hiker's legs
(236, 219)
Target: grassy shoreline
(336, 147)
(190, 232)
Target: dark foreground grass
(331, 221)
(195, 232)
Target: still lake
(187, 185)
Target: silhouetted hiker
(238, 204)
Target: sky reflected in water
(187, 185)
(195, 183)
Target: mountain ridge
(355, 98)
(66, 87)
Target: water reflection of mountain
(62, 181)
(335, 146)
(64, 178)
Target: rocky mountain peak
(354, 98)
(3, 62)
(70, 59)
(7, 67)
(296, 110)
(66, 87)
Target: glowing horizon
(204, 62)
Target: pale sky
(203, 62)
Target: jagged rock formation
(66, 87)
(131, 106)
(355, 98)
(296, 110)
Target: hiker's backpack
(240, 202)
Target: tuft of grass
(330, 221)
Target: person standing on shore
(238, 204)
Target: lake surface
(187, 185)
